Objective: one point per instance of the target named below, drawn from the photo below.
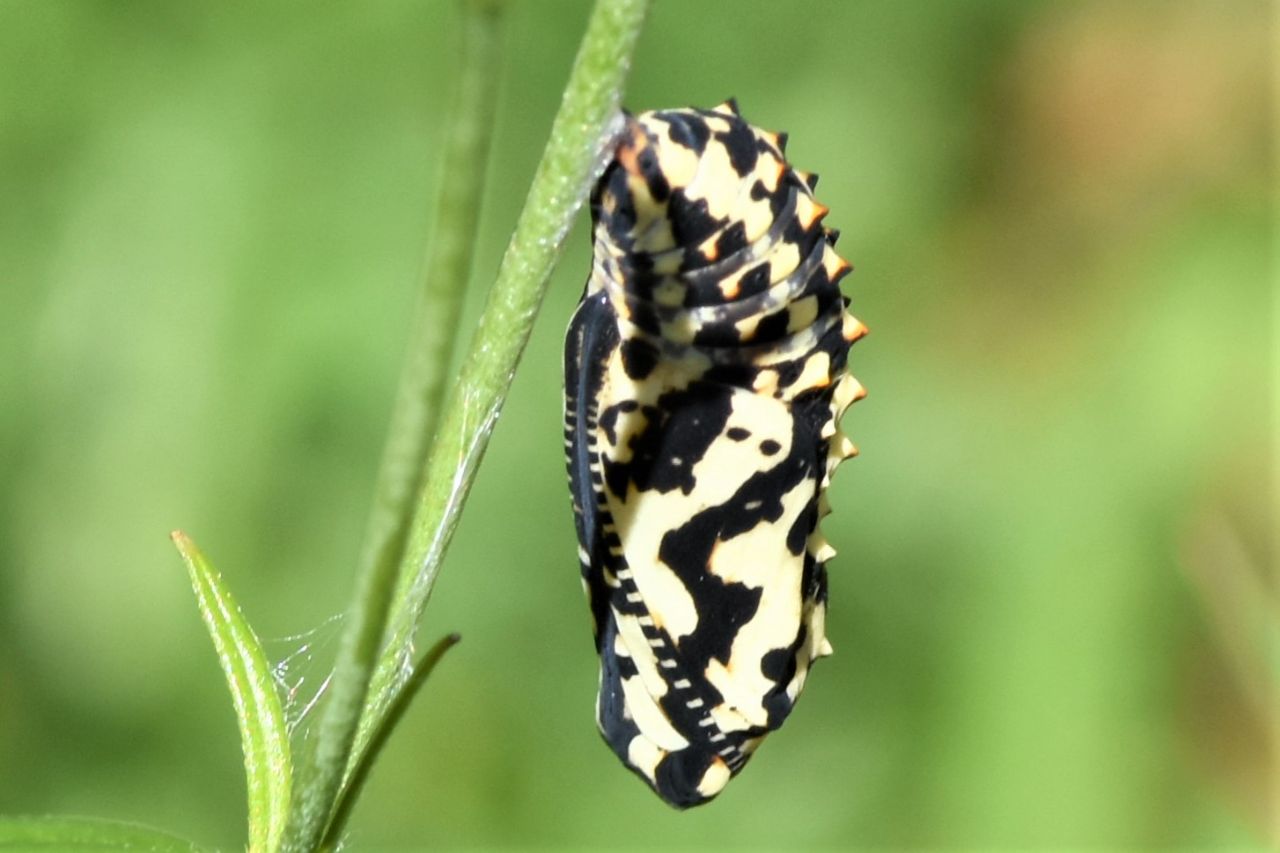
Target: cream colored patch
(803, 313)
(669, 293)
(853, 328)
(681, 330)
(718, 124)
(679, 164)
(642, 520)
(847, 390)
(645, 205)
(820, 548)
(714, 780)
(766, 382)
(819, 646)
(654, 235)
(756, 216)
(816, 373)
(753, 558)
(644, 755)
(727, 716)
(809, 211)
(783, 261)
(746, 327)
(833, 263)
(668, 263)
(716, 182)
(728, 719)
(769, 170)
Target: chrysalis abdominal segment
(705, 377)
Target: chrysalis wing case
(705, 376)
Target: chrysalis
(705, 376)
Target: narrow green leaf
(263, 735)
(72, 834)
(363, 761)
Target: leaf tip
(186, 547)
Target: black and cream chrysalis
(705, 377)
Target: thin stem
(413, 420)
(589, 117)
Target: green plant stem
(413, 419)
(589, 116)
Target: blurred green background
(1053, 583)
